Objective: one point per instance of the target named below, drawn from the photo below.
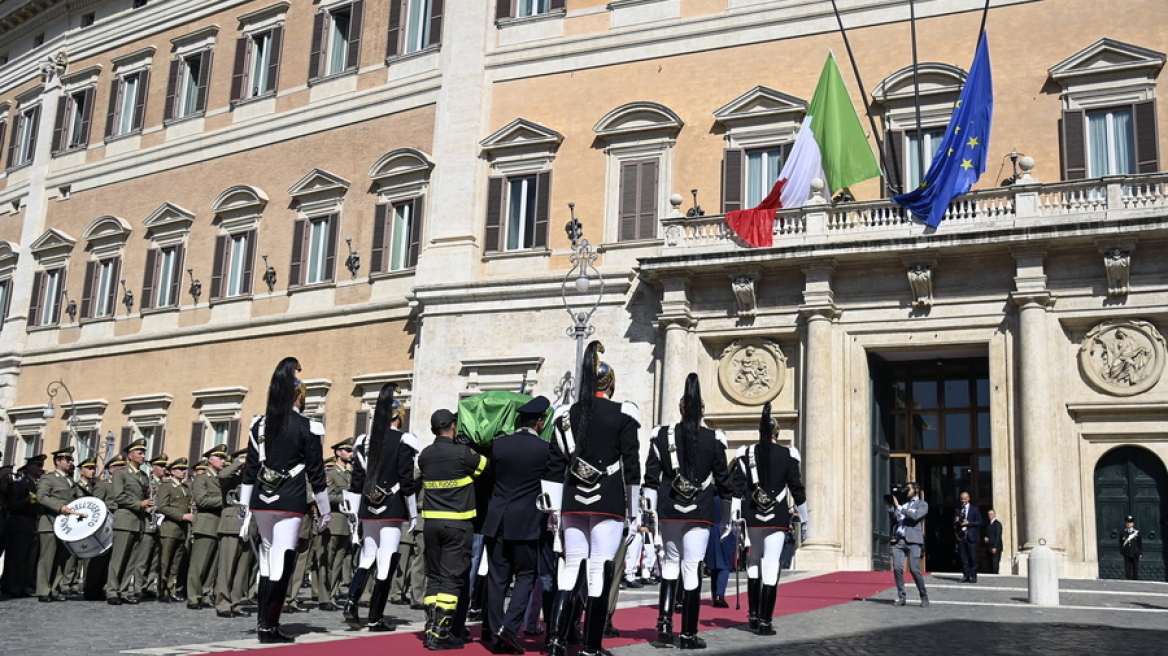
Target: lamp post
(50, 411)
(583, 260)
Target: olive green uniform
(54, 489)
(97, 568)
(235, 555)
(210, 499)
(303, 551)
(174, 501)
(337, 544)
(131, 488)
(150, 545)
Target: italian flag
(831, 146)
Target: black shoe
(326, 605)
(114, 601)
(720, 602)
(610, 631)
(633, 583)
(686, 641)
(506, 642)
(924, 602)
(973, 579)
(294, 607)
(417, 607)
(400, 601)
(194, 606)
(226, 615)
(148, 595)
(380, 626)
(474, 615)
(273, 635)
(44, 599)
(178, 599)
(900, 602)
(130, 600)
(59, 597)
(964, 579)
(165, 599)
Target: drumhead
(70, 528)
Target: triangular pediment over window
(760, 104)
(107, 227)
(319, 181)
(636, 119)
(169, 215)
(52, 240)
(935, 78)
(522, 133)
(240, 198)
(1110, 58)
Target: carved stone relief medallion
(752, 371)
(1123, 357)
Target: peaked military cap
(241, 452)
(179, 463)
(38, 459)
(346, 443)
(116, 461)
(217, 450)
(139, 443)
(160, 460)
(89, 462)
(63, 453)
(201, 465)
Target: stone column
(1037, 465)
(675, 321)
(822, 465)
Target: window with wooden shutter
(81, 138)
(275, 48)
(5, 300)
(543, 188)
(140, 101)
(503, 9)
(203, 80)
(3, 127)
(9, 450)
(1146, 140)
(217, 270)
(894, 151)
(38, 296)
(176, 275)
(111, 292)
(12, 141)
(239, 68)
(54, 295)
(393, 42)
(233, 427)
(353, 54)
(64, 440)
(732, 160)
(638, 200)
(333, 226)
(195, 449)
(112, 116)
(1074, 150)
(87, 291)
(361, 424)
(60, 142)
(172, 89)
(149, 280)
(316, 52)
(491, 239)
(416, 219)
(380, 232)
(296, 270)
(435, 35)
(248, 263)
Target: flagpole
(863, 93)
(912, 20)
(984, 14)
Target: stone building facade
(378, 187)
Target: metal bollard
(1042, 570)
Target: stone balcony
(1028, 209)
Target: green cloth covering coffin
(485, 416)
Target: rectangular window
(414, 25)
(257, 64)
(397, 232)
(127, 103)
(914, 168)
(186, 89)
(762, 171)
(336, 40)
(532, 7)
(162, 277)
(45, 309)
(82, 443)
(638, 200)
(98, 298)
(231, 269)
(1110, 142)
(236, 264)
(168, 272)
(189, 87)
(400, 231)
(261, 50)
(74, 116)
(5, 298)
(318, 241)
(517, 212)
(24, 134)
(418, 30)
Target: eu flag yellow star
(958, 103)
(957, 129)
(950, 151)
(966, 164)
(972, 141)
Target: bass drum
(89, 533)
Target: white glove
(352, 503)
(354, 524)
(245, 495)
(634, 501)
(323, 507)
(412, 507)
(805, 519)
(322, 524)
(552, 496)
(650, 501)
(243, 513)
(245, 529)
(735, 509)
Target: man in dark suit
(512, 528)
(993, 540)
(967, 522)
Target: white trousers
(685, 549)
(766, 546)
(379, 541)
(588, 537)
(279, 532)
(633, 554)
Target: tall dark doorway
(931, 424)
(1131, 481)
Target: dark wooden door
(1131, 481)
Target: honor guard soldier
(1131, 547)
(210, 500)
(338, 541)
(132, 496)
(592, 479)
(448, 473)
(174, 504)
(20, 540)
(512, 531)
(97, 568)
(54, 492)
(685, 468)
(764, 475)
(233, 575)
(149, 547)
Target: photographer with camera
(908, 512)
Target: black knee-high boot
(597, 613)
(752, 592)
(690, 605)
(262, 591)
(475, 612)
(378, 598)
(352, 610)
(557, 629)
(766, 609)
(665, 603)
(277, 589)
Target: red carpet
(635, 624)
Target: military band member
(210, 500)
(764, 474)
(235, 555)
(686, 467)
(592, 481)
(54, 492)
(174, 504)
(337, 542)
(20, 548)
(150, 546)
(102, 487)
(283, 461)
(132, 496)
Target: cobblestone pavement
(988, 618)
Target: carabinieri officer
(283, 459)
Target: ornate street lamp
(579, 277)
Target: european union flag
(961, 158)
